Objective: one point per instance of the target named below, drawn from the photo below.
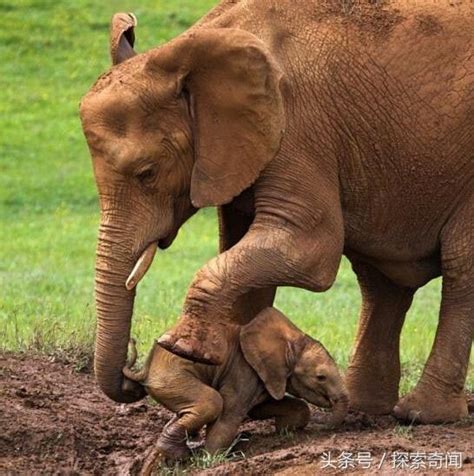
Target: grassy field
(51, 53)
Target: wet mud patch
(55, 420)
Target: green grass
(51, 53)
(405, 431)
(201, 459)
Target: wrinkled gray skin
(268, 357)
(317, 128)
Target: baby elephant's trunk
(339, 410)
(139, 375)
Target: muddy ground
(54, 420)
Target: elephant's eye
(321, 378)
(146, 176)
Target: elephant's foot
(292, 422)
(157, 457)
(426, 405)
(163, 454)
(170, 447)
(371, 393)
(296, 417)
(196, 340)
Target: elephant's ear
(271, 344)
(122, 37)
(237, 108)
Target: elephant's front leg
(235, 220)
(222, 433)
(290, 413)
(374, 372)
(265, 257)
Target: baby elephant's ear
(269, 343)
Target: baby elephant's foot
(196, 340)
(170, 447)
(157, 458)
(424, 406)
(297, 419)
(163, 455)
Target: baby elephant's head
(287, 360)
(316, 378)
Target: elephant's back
(166, 369)
(311, 38)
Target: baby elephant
(267, 358)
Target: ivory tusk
(141, 267)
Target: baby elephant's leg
(221, 434)
(289, 413)
(196, 406)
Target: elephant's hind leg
(289, 413)
(196, 405)
(374, 371)
(438, 397)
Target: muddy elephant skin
(268, 357)
(318, 128)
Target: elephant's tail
(138, 376)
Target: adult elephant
(318, 128)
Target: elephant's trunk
(339, 412)
(114, 304)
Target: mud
(54, 420)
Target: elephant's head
(183, 126)
(287, 360)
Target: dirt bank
(54, 420)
